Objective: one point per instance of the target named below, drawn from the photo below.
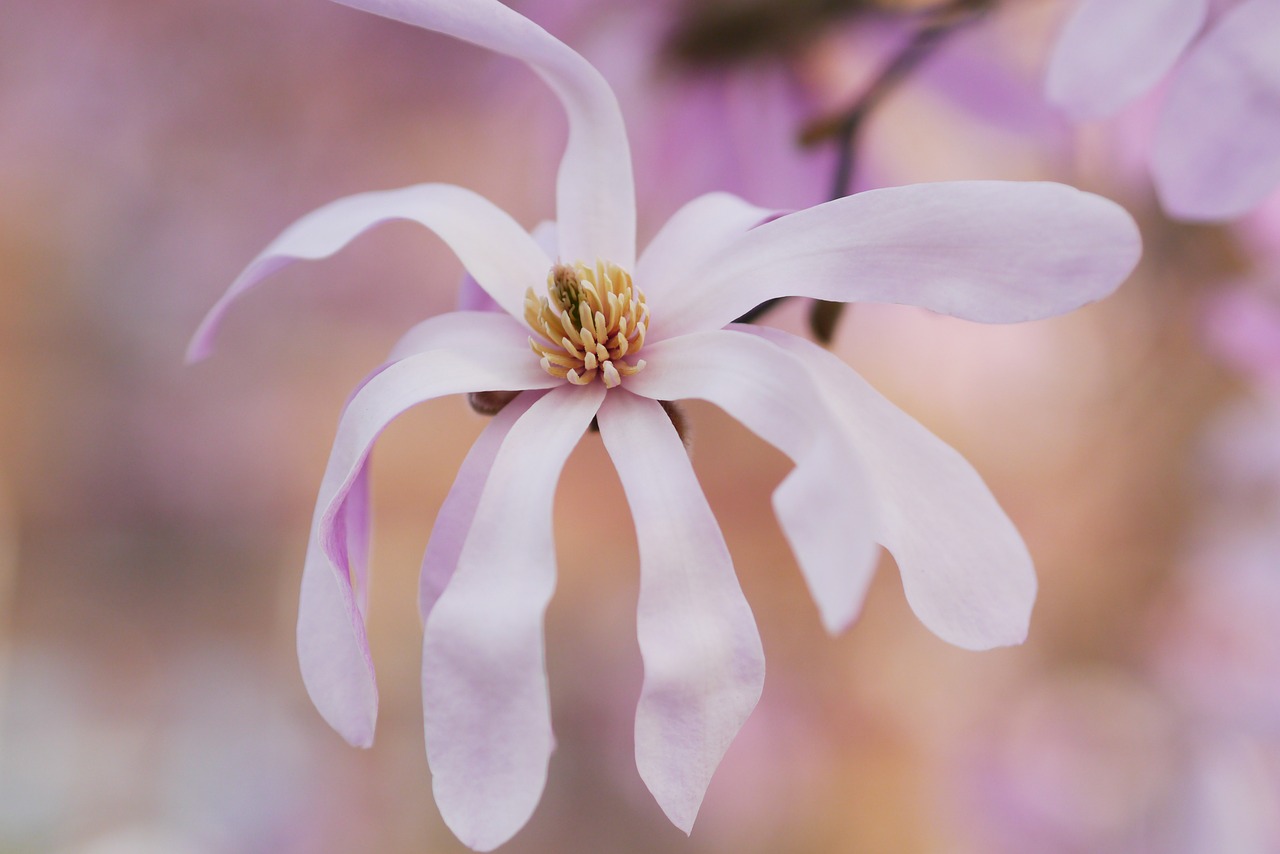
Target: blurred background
(153, 517)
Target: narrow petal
(495, 332)
(1217, 147)
(453, 522)
(703, 662)
(496, 251)
(992, 251)
(332, 648)
(824, 505)
(694, 233)
(966, 572)
(1111, 52)
(484, 681)
(595, 190)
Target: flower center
(590, 322)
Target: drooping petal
(992, 251)
(694, 233)
(501, 256)
(595, 191)
(332, 648)
(703, 662)
(1112, 51)
(824, 505)
(453, 522)
(484, 682)
(1216, 152)
(965, 569)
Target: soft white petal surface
(703, 662)
(1112, 51)
(484, 681)
(694, 233)
(497, 252)
(453, 522)
(595, 190)
(332, 648)
(1217, 147)
(992, 251)
(824, 505)
(467, 330)
(966, 572)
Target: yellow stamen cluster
(591, 320)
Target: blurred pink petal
(703, 663)
(595, 192)
(992, 251)
(492, 246)
(332, 647)
(1216, 153)
(484, 681)
(823, 506)
(965, 570)
(1112, 51)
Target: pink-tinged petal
(466, 330)
(472, 297)
(333, 650)
(1112, 51)
(965, 569)
(1216, 153)
(501, 256)
(453, 522)
(595, 191)
(694, 233)
(484, 682)
(824, 505)
(991, 251)
(703, 662)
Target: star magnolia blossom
(1216, 151)
(594, 333)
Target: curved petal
(484, 682)
(823, 506)
(703, 662)
(501, 256)
(966, 572)
(694, 233)
(333, 650)
(453, 522)
(472, 297)
(992, 251)
(595, 191)
(496, 332)
(1111, 52)
(1216, 153)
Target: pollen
(591, 323)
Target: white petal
(595, 190)
(824, 505)
(992, 251)
(1112, 51)
(484, 681)
(332, 647)
(694, 233)
(965, 569)
(1216, 153)
(453, 522)
(703, 663)
(497, 252)
(494, 332)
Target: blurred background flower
(153, 517)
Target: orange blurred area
(153, 516)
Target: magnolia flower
(1216, 151)
(592, 332)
